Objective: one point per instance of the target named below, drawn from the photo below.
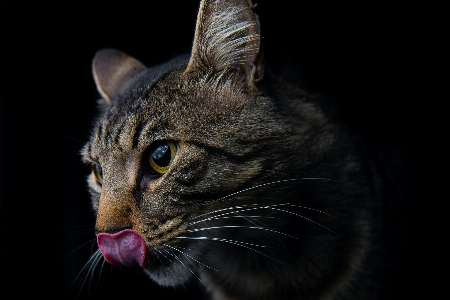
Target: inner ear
(114, 71)
(227, 40)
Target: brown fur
(245, 147)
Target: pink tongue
(123, 248)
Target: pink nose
(123, 248)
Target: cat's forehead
(175, 106)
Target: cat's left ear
(227, 41)
(114, 71)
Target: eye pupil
(161, 156)
(160, 152)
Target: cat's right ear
(114, 71)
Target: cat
(210, 170)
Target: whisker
(298, 215)
(78, 248)
(79, 234)
(245, 217)
(266, 184)
(255, 221)
(158, 255)
(220, 240)
(243, 208)
(100, 273)
(247, 207)
(92, 269)
(184, 286)
(189, 269)
(246, 227)
(168, 258)
(92, 261)
(91, 258)
(220, 215)
(188, 256)
(183, 254)
(304, 207)
(240, 216)
(238, 243)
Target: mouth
(126, 248)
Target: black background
(380, 60)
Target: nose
(114, 214)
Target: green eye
(98, 173)
(161, 156)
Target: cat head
(183, 133)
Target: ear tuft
(114, 71)
(226, 40)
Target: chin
(173, 268)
